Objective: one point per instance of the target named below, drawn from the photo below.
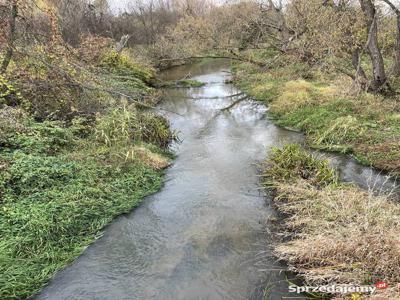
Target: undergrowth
(59, 189)
(123, 65)
(74, 154)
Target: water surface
(203, 236)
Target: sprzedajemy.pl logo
(339, 288)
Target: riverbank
(331, 232)
(200, 236)
(334, 116)
(68, 174)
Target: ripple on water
(203, 235)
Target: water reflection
(203, 235)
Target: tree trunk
(396, 66)
(355, 60)
(122, 43)
(372, 47)
(328, 3)
(11, 36)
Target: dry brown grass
(294, 94)
(385, 154)
(11, 120)
(298, 93)
(151, 159)
(343, 235)
(335, 233)
(391, 293)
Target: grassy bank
(332, 233)
(327, 107)
(71, 160)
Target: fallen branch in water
(234, 103)
(182, 83)
(249, 60)
(219, 112)
(234, 95)
(216, 97)
(110, 91)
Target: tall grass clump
(122, 64)
(125, 124)
(332, 233)
(292, 162)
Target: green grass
(291, 163)
(122, 64)
(364, 125)
(53, 208)
(58, 190)
(62, 181)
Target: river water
(203, 236)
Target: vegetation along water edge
(332, 233)
(79, 147)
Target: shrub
(92, 48)
(51, 85)
(155, 129)
(8, 94)
(125, 125)
(121, 64)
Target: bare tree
(396, 66)
(11, 36)
(372, 47)
(122, 43)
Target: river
(204, 235)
